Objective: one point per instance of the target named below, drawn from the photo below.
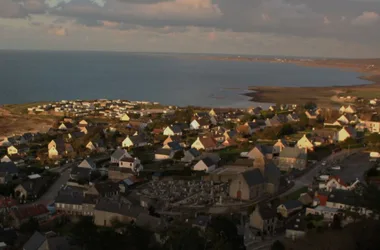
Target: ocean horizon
(167, 78)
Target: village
(283, 172)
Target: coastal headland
(324, 96)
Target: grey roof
(35, 186)
(107, 187)
(73, 199)
(243, 162)
(174, 145)
(176, 129)
(163, 151)
(137, 139)
(291, 204)
(81, 172)
(34, 242)
(194, 152)
(58, 243)
(294, 152)
(118, 208)
(119, 153)
(8, 167)
(343, 196)
(265, 149)
(208, 161)
(253, 177)
(271, 172)
(87, 163)
(266, 212)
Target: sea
(170, 79)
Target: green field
(19, 109)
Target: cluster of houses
(102, 107)
(255, 175)
(333, 201)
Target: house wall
(168, 131)
(103, 218)
(127, 143)
(123, 164)
(286, 164)
(256, 221)
(292, 234)
(255, 153)
(327, 215)
(159, 157)
(200, 166)
(198, 145)
(247, 193)
(194, 125)
(342, 135)
(70, 209)
(305, 143)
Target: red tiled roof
(208, 142)
(322, 199)
(31, 211)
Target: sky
(323, 28)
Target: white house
(199, 124)
(163, 154)
(90, 146)
(206, 164)
(87, 163)
(305, 142)
(20, 149)
(212, 112)
(347, 109)
(372, 126)
(172, 130)
(129, 162)
(125, 118)
(346, 132)
(335, 182)
(204, 143)
(134, 141)
(118, 154)
(279, 146)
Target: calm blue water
(168, 79)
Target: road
(50, 195)
(307, 179)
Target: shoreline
(369, 69)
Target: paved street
(50, 195)
(307, 179)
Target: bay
(171, 79)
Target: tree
(277, 245)
(310, 106)
(286, 129)
(30, 227)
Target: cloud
(59, 31)
(366, 18)
(186, 9)
(57, 3)
(10, 9)
(212, 36)
(326, 20)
